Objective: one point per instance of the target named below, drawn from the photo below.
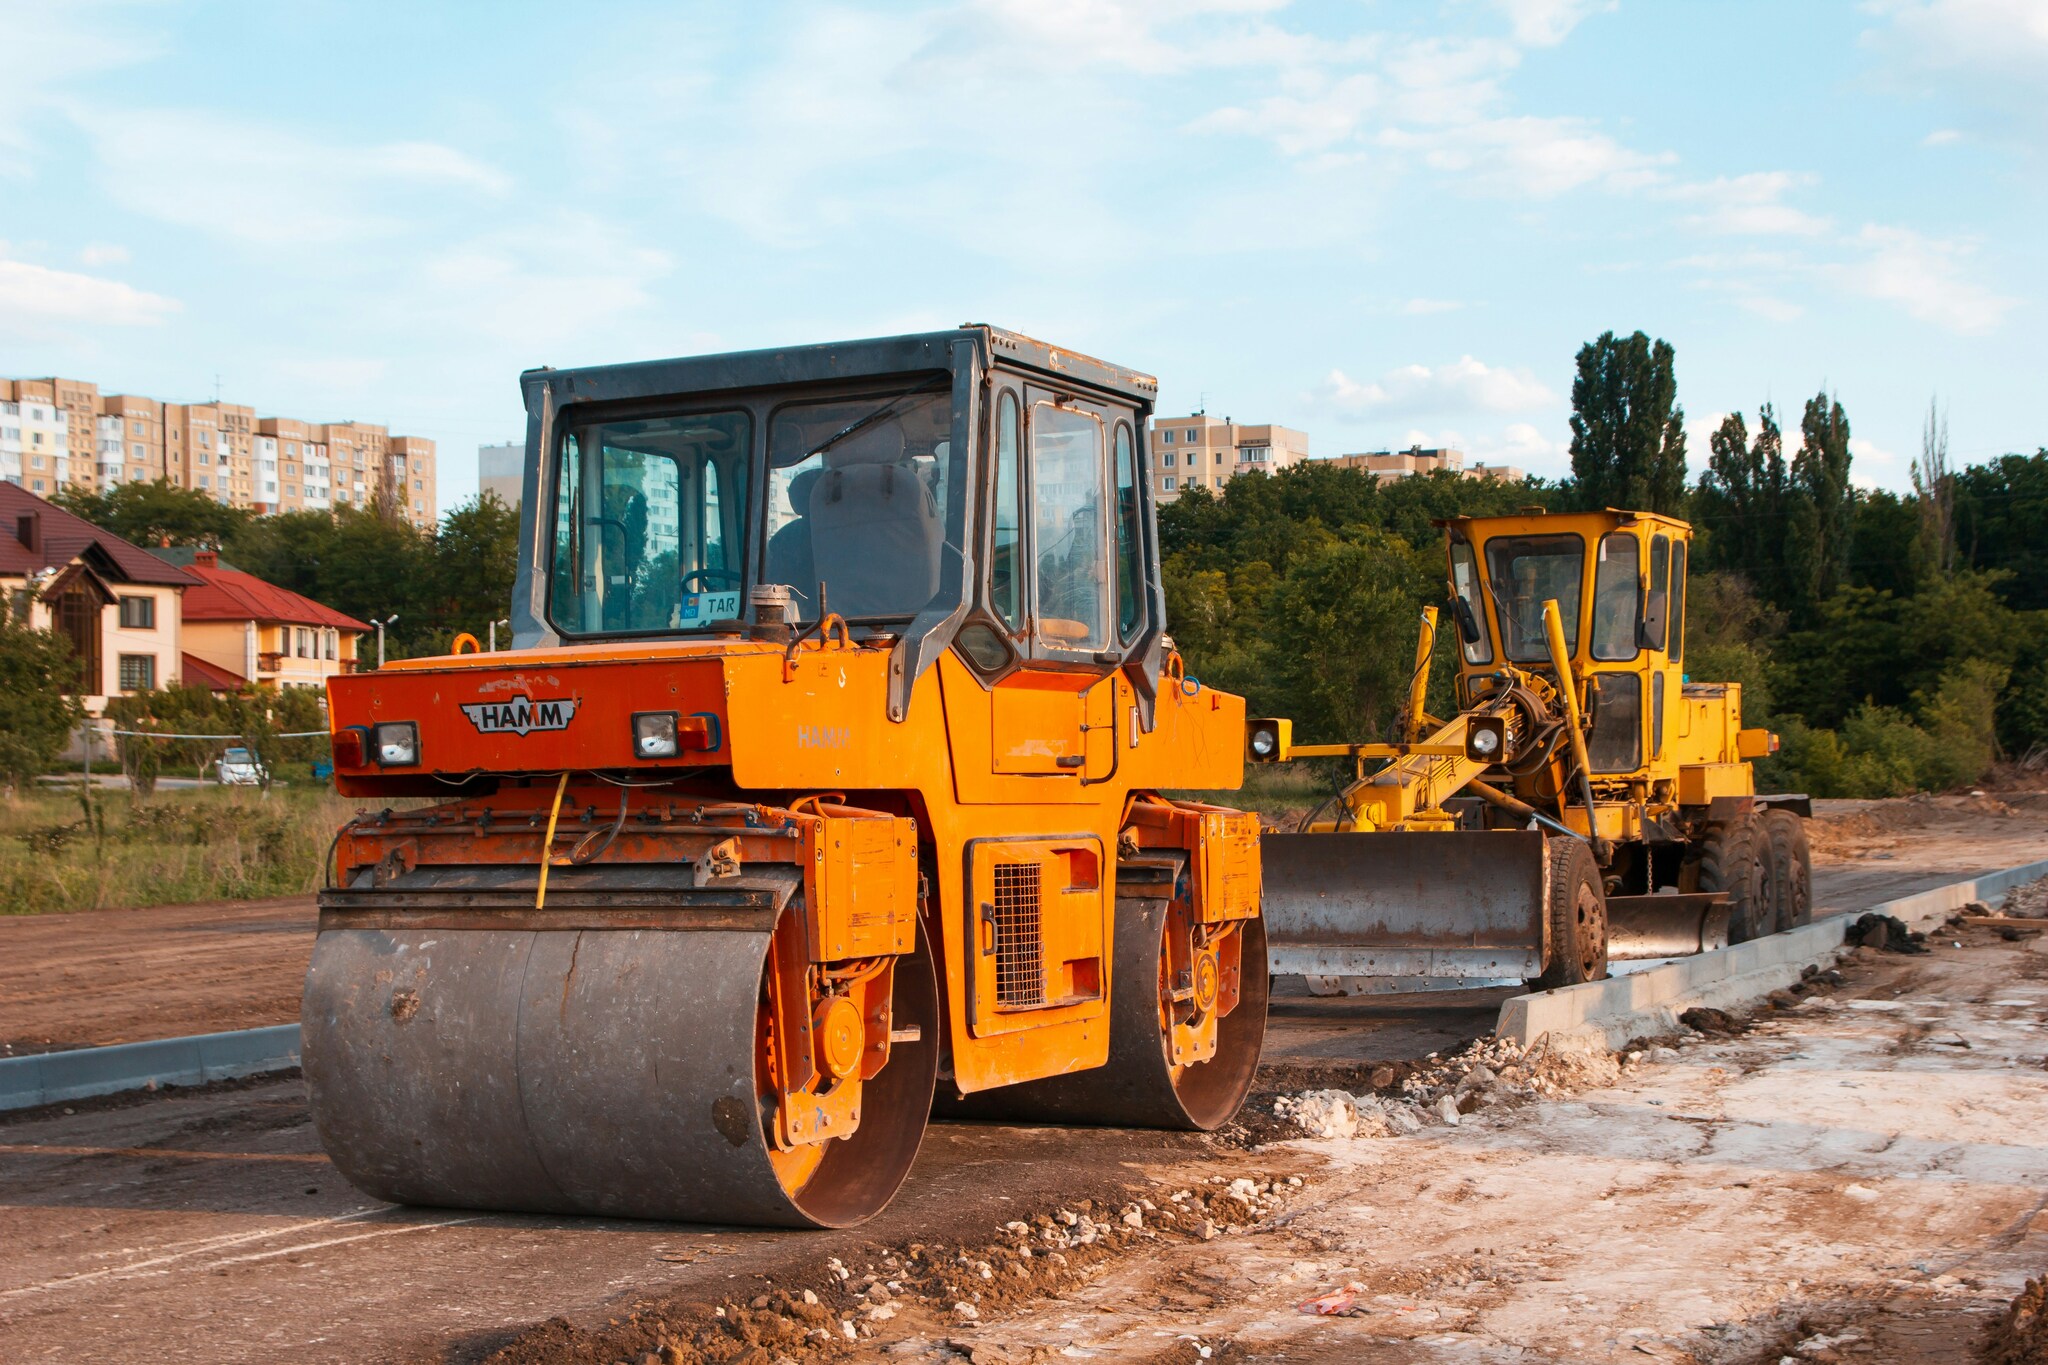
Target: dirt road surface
(1635, 1218)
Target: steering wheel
(724, 576)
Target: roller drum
(596, 1071)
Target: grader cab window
(1468, 605)
(1617, 588)
(650, 530)
(1656, 607)
(857, 502)
(1527, 571)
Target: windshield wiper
(862, 424)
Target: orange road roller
(822, 781)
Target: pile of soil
(2021, 1336)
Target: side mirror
(1468, 624)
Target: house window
(138, 613)
(1166, 437)
(1191, 435)
(333, 639)
(1166, 484)
(138, 672)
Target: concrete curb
(1649, 1002)
(81, 1073)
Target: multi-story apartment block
(270, 464)
(1400, 464)
(35, 441)
(501, 469)
(1201, 451)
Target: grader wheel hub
(836, 1025)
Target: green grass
(176, 847)
(1279, 792)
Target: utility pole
(505, 621)
(389, 620)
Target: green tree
(1741, 502)
(159, 513)
(1822, 508)
(37, 712)
(1628, 432)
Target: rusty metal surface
(1442, 903)
(593, 1072)
(1668, 924)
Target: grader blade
(1453, 903)
(1668, 924)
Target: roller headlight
(396, 743)
(654, 735)
(1264, 743)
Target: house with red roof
(117, 604)
(239, 628)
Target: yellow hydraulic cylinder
(1418, 682)
(1568, 692)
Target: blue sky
(1380, 222)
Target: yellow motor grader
(1586, 802)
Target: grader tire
(1791, 867)
(1577, 911)
(1735, 856)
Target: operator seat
(876, 532)
(790, 560)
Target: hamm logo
(521, 715)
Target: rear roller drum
(1158, 992)
(611, 1072)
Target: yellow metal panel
(1227, 867)
(1701, 782)
(863, 892)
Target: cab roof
(874, 357)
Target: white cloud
(1872, 466)
(1465, 385)
(1529, 157)
(33, 296)
(1924, 276)
(1942, 137)
(1748, 205)
(1991, 54)
(1418, 308)
(1545, 23)
(265, 184)
(551, 283)
(1770, 306)
(103, 253)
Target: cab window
(649, 524)
(1617, 591)
(1468, 606)
(1526, 571)
(1656, 606)
(1006, 583)
(1069, 537)
(1130, 545)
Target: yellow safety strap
(547, 846)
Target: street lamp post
(389, 620)
(501, 621)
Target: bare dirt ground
(116, 976)
(1672, 1211)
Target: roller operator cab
(1598, 801)
(822, 776)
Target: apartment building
(501, 469)
(1384, 465)
(35, 442)
(267, 464)
(1200, 451)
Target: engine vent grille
(1020, 949)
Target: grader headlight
(1485, 738)
(1269, 741)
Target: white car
(239, 768)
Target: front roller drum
(602, 1071)
(1142, 1085)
